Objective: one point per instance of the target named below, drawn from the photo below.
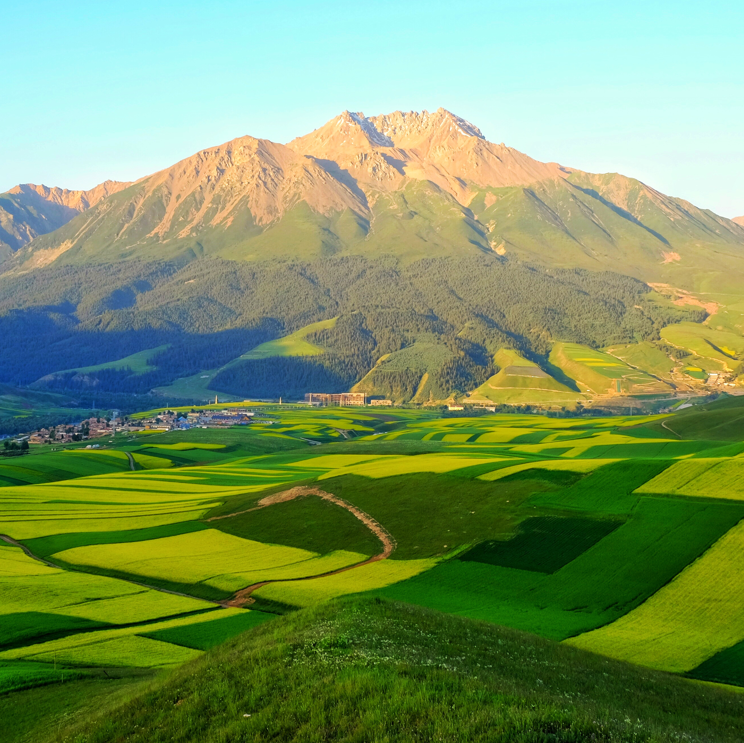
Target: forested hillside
(206, 313)
(430, 247)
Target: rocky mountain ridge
(408, 184)
(29, 210)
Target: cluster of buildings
(343, 399)
(94, 428)
(91, 428)
(171, 421)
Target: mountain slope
(216, 198)
(739, 220)
(411, 185)
(28, 210)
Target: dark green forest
(210, 311)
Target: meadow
(614, 535)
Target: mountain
(28, 210)
(436, 253)
(411, 185)
(739, 220)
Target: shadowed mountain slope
(28, 210)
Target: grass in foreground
(373, 670)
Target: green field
(291, 345)
(522, 382)
(294, 344)
(139, 363)
(617, 535)
(718, 349)
(601, 373)
(645, 356)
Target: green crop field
(645, 356)
(718, 346)
(618, 535)
(522, 382)
(602, 373)
(207, 558)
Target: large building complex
(336, 398)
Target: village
(94, 428)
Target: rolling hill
(521, 381)
(381, 670)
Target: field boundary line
(68, 567)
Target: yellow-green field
(615, 534)
(601, 373)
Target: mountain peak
(77, 200)
(354, 132)
(412, 129)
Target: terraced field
(521, 381)
(617, 535)
(601, 373)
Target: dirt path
(131, 461)
(664, 425)
(243, 596)
(26, 551)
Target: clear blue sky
(652, 89)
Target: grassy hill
(714, 350)
(294, 344)
(722, 420)
(410, 375)
(601, 373)
(520, 381)
(136, 363)
(199, 385)
(21, 409)
(619, 535)
(376, 670)
(646, 356)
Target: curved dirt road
(243, 596)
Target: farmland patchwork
(614, 535)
